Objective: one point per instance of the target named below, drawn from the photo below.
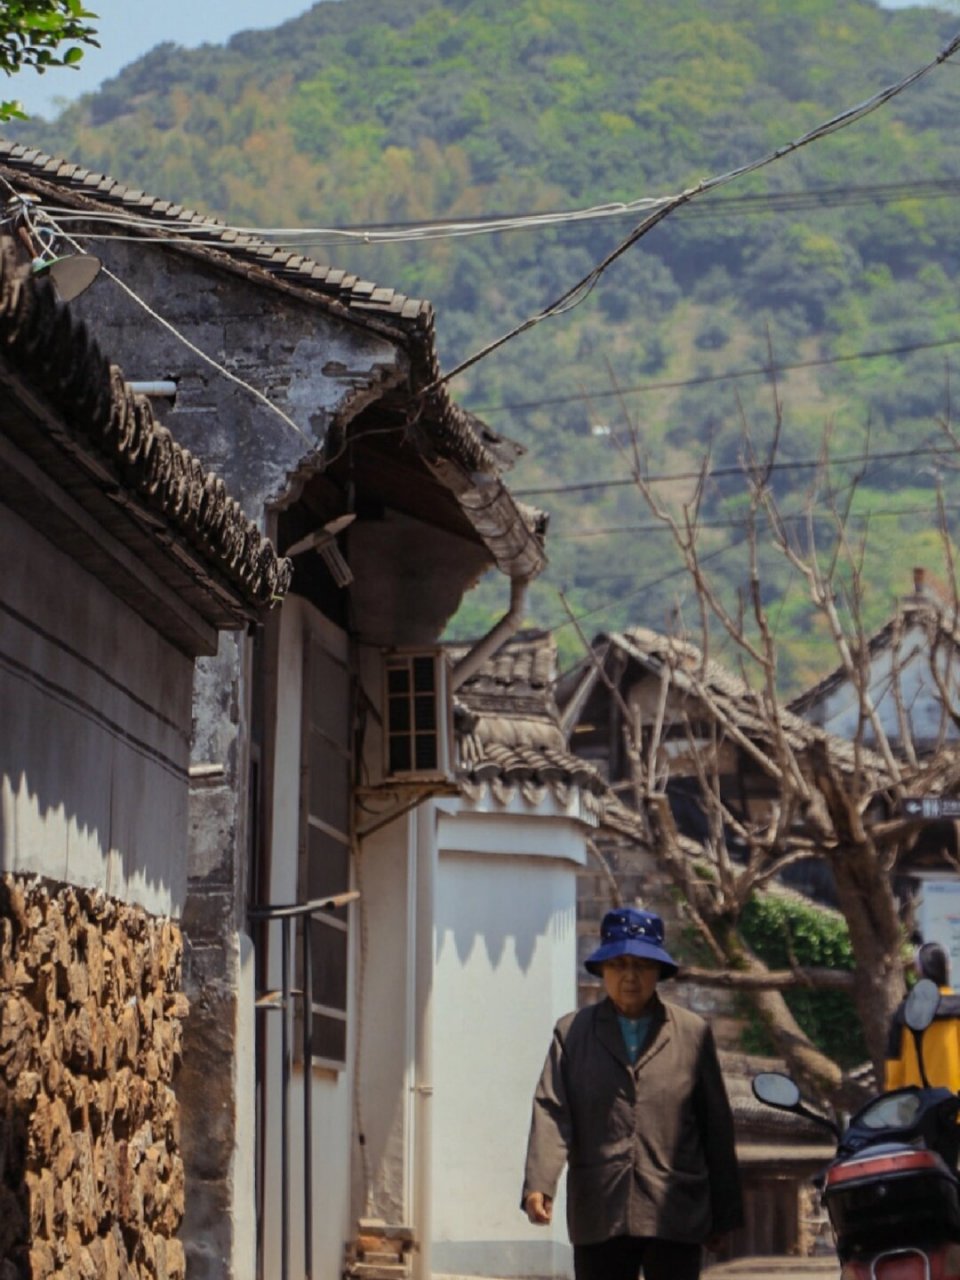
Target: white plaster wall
(839, 711)
(384, 1068)
(505, 971)
(332, 1098)
(938, 915)
(383, 1166)
(95, 710)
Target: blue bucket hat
(627, 931)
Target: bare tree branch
(771, 979)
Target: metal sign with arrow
(931, 807)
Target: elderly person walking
(631, 1099)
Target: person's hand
(539, 1208)
(717, 1241)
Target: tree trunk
(866, 899)
(817, 1075)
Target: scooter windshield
(892, 1111)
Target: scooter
(892, 1191)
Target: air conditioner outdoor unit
(418, 718)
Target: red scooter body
(939, 1263)
(893, 1209)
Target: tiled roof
(86, 427)
(732, 699)
(513, 532)
(510, 735)
(351, 291)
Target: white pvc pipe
(424, 824)
(165, 389)
(509, 624)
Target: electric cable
(444, 228)
(293, 237)
(658, 526)
(734, 469)
(648, 585)
(729, 375)
(579, 291)
(680, 570)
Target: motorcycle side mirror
(922, 1004)
(919, 1011)
(776, 1090)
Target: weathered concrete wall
(410, 580)
(218, 1119)
(310, 364)
(96, 721)
(90, 1035)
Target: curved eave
(463, 453)
(67, 419)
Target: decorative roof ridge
(40, 338)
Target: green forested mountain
(406, 111)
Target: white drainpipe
(162, 389)
(423, 823)
(508, 625)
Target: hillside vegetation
(378, 111)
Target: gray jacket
(649, 1147)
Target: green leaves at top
(33, 33)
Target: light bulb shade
(71, 274)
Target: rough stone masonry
(91, 1180)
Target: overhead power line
(576, 294)
(754, 371)
(429, 229)
(610, 603)
(881, 513)
(736, 540)
(826, 198)
(384, 233)
(794, 464)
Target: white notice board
(938, 916)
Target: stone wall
(91, 1180)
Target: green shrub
(780, 930)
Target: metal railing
(282, 1000)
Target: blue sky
(129, 28)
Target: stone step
(388, 1231)
(374, 1271)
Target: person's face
(630, 982)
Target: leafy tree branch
(41, 34)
